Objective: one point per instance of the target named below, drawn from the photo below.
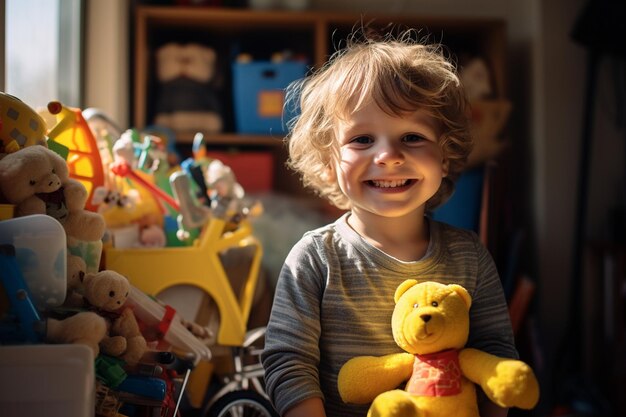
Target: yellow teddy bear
(431, 323)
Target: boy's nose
(389, 155)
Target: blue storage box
(259, 94)
(463, 208)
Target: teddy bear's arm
(127, 327)
(363, 378)
(31, 205)
(507, 382)
(113, 345)
(75, 194)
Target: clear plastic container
(154, 314)
(41, 252)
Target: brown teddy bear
(107, 291)
(36, 180)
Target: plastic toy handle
(122, 169)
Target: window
(43, 51)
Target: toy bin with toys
(259, 94)
(91, 284)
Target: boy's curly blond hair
(401, 76)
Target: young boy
(383, 133)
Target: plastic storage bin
(259, 94)
(47, 380)
(40, 248)
(254, 170)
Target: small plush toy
(431, 323)
(107, 291)
(36, 180)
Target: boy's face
(387, 165)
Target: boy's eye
(364, 140)
(413, 138)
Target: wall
(106, 51)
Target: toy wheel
(243, 403)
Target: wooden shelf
(313, 34)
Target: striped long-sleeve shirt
(334, 300)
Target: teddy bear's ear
(462, 292)
(87, 277)
(402, 288)
(60, 165)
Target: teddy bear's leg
(85, 225)
(126, 325)
(113, 346)
(396, 403)
(135, 348)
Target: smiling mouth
(390, 183)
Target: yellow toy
(431, 323)
(199, 265)
(72, 133)
(21, 125)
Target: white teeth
(389, 184)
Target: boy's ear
(329, 173)
(445, 167)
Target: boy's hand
(311, 407)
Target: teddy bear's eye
(415, 305)
(111, 293)
(32, 182)
(434, 304)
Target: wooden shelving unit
(315, 35)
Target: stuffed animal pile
(430, 323)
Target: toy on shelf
(430, 322)
(488, 114)
(187, 95)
